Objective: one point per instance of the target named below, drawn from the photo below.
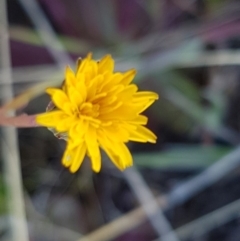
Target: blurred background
(185, 187)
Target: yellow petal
(97, 98)
(114, 157)
(81, 87)
(115, 133)
(93, 149)
(143, 107)
(140, 120)
(70, 79)
(78, 129)
(125, 155)
(104, 85)
(78, 63)
(93, 88)
(124, 112)
(51, 91)
(142, 134)
(62, 102)
(91, 71)
(89, 56)
(84, 64)
(75, 97)
(127, 93)
(50, 119)
(117, 152)
(110, 108)
(115, 90)
(110, 80)
(78, 156)
(145, 95)
(67, 158)
(106, 64)
(65, 124)
(128, 77)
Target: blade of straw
(9, 142)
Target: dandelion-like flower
(98, 108)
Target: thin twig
(32, 74)
(216, 58)
(208, 222)
(46, 32)
(154, 212)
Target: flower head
(99, 109)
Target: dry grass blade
(153, 211)
(46, 32)
(9, 143)
(31, 93)
(209, 221)
(121, 225)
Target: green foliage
(182, 157)
(3, 207)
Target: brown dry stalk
(121, 225)
(31, 93)
(21, 121)
(21, 101)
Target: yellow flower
(99, 108)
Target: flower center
(89, 109)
